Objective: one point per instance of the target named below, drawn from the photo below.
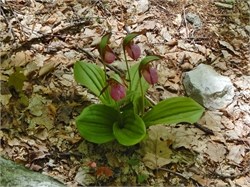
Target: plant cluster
(124, 113)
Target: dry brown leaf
(83, 177)
(5, 99)
(178, 20)
(113, 160)
(104, 171)
(165, 34)
(212, 120)
(36, 105)
(236, 153)
(194, 58)
(189, 138)
(21, 58)
(152, 38)
(242, 82)
(201, 180)
(47, 68)
(228, 46)
(215, 151)
(14, 142)
(156, 147)
(219, 182)
(243, 181)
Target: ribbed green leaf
(174, 110)
(95, 123)
(130, 37)
(130, 130)
(93, 77)
(135, 82)
(103, 43)
(148, 59)
(116, 77)
(134, 89)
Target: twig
(66, 154)
(28, 43)
(201, 127)
(185, 22)
(7, 21)
(204, 129)
(161, 6)
(215, 59)
(151, 100)
(227, 15)
(197, 38)
(103, 8)
(173, 172)
(224, 5)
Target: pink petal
(150, 75)
(118, 91)
(109, 57)
(133, 51)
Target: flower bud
(118, 91)
(92, 165)
(109, 56)
(133, 51)
(150, 74)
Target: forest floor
(40, 42)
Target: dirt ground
(42, 39)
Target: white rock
(208, 87)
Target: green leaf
(137, 103)
(104, 42)
(95, 123)
(133, 162)
(148, 59)
(133, 101)
(174, 110)
(130, 37)
(116, 77)
(142, 178)
(89, 75)
(130, 130)
(24, 100)
(93, 77)
(134, 91)
(135, 79)
(17, 79)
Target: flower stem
(142, 93)
(117, 107)
(129, 76)
(105, 70)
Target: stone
(208, 87)
(13, 174)
(194, 19)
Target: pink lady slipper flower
(150, 74)
(109, 56)
(118, 90)
(106, 53)
(133, 50)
